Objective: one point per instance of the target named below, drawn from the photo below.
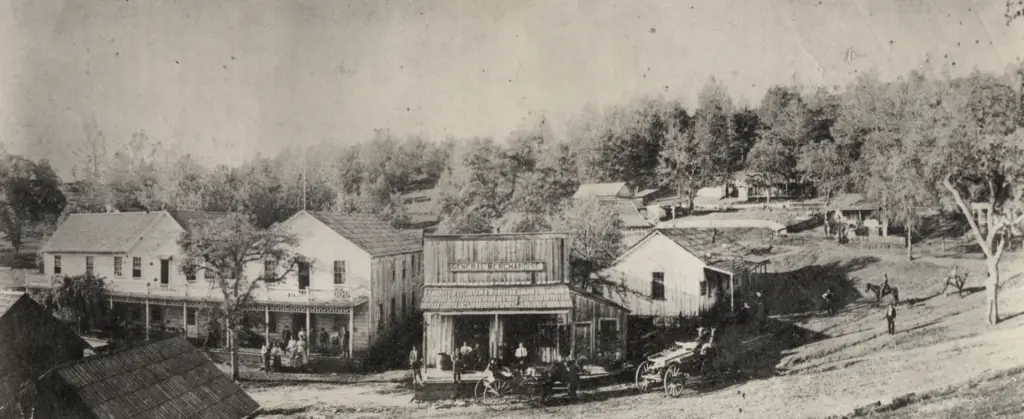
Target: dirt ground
(847, 361)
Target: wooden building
(168, 378)
(32, 341)
(499, 290)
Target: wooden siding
(440, 252)
(589, 311)
(683, 273)
(388, 287)
(437, 338)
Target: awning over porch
(738, 266)
(535, 297)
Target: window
(269, 268)
(339, 272)
(608, 333)
(414, 268)
(658, 285)
(273, 323)
(703, 287)
(403, 305)
(380, 322)
(403, 269)
(394, 271)
(118, 269)
(89, 265)
(190, 317)
(155, 315)
(56, 264)
(412, 301)
(190, 272)
(136, 267)
(136, 315)
(393, 307)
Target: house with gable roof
(139, 256)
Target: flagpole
(303, 179)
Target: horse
(957, 281)
(879, 292)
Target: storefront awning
(490, 298)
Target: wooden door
(582, 340)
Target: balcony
(206, 291)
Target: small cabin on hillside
(614, 190)
(499, 290)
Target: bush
(26, 261)
(392, 347)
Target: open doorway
(475, 332)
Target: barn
(500, 290)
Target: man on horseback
(885, 286)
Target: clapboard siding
(388, 286)
(591, 311)
(440, 252)
(438, 337)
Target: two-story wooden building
(500, 290)
(364, 275)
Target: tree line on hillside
(915, 143)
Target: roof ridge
(150, 228)
(122, 349)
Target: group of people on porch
(295, 348)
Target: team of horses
(956, 280)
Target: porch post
(732, 292)
(184, 317)
(266, 325)
(351, 335)
(147, 319)
(309, 333)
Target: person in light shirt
(521, 354)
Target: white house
(615, 190)
(673, 272)
(361, 251)
(358, 263)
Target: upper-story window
(403, 269)
(89, 267)
(394, 270)
(136, 267)
(269, 268)
(415, 269)
(657, 285)
(118, 269)
(339, 272)
(56, 264)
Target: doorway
(582, 338)
(165, 271)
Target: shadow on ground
(801, 290)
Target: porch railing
(205, 290)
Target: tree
(1014, 10)
(827, 167)
(622, 143)
(980, 157)
(595, 231)
(33, 195)
(82, 296)
(224, 248)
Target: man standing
(323, 339)
(521, 354)
(890, 318)
(286, 335)
(343, 338)
(414, 364)
(830, 303)
(457, 367)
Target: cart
(510, 388)
(653, 371)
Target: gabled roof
(628, 214)
(163, 379)
(591, 190)
(100, 232)
(186, 219)
(853, 202)
(370, 233)
(708, 245)
(7, 300)
(645, 192)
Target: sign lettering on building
(497, 267)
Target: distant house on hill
(615, 190)
(169, 378)
(32, 341)
(423, 209)
(634, 225)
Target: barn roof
(186, 219)
(591, 190)
(100, 232)
(163, 379)
(370, 233)
(537, 297)
(628, 214)
(7, 300)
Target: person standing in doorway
(286, 334)
(521, 355)
(302, 335)
(890, 318)
(457, 361)
(323, 340)
(344, 342)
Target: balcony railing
(207, 291)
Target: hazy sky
(228, 78)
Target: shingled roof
(163, 379)
(187, 219)
(628, 214)
(7, 300)
(538, 297)
(601, 190)
(371, 234)
(708, 245)
(100, 232)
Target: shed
(168, 378)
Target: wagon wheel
(479, 388)
(496, 393)
(675, 381)
(641, 380)
(528, 391)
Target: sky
(226, 79)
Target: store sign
(497, 267)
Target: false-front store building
(496, 291)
